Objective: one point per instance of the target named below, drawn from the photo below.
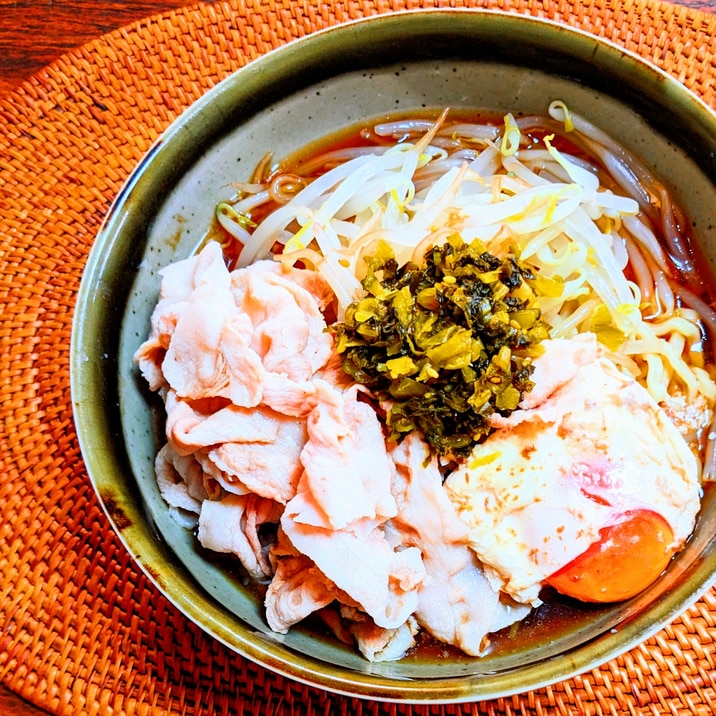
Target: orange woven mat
(82, 630)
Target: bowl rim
(88, 375)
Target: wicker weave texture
(81, 629)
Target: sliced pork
(277, 458)
(181, 480)
(456, 603)
(343, 500)
(288, 325)
(298, 588)
(377, 643)
(231, 525)
(347, 472)
(179, 281)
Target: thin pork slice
(287, 396)
(359, 560)
(347, 470)
(205, 335)
(210, 354)
(288, 326)
(556, 367)
(456, 604)
(298, 588)
(377, 643)
(270, 469)
(231, 525)
(255, 450)
(179, 280)
(180, 479)
(220, 481)
(343, 499)
(189, 429)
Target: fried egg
(588, 446)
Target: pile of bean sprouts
(599, 230)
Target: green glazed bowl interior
(477, 60)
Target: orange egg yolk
(628, 557)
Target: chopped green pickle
(444, 345)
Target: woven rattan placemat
(81, 628)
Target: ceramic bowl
(280, 102)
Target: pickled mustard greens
(445, 344)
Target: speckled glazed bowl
(293, 96)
